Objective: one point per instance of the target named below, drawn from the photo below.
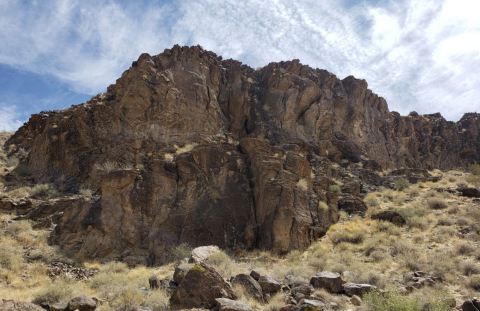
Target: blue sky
(421, 55)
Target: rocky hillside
(188, 148)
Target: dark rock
(225, 304)
(469, 192)
(357, 289)
(180, 272)
(199, 288)
(471, 305)
(255, 275)
(390, 216)
(154, 282)
(251, 286)
(352, 205)
(82, 303)
(330, 281)
(269, 285)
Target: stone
(11, 305)
(154, 282)
(225, 304)
(249, 284)
(269, 285)
(201, 253)
(82, 303)
(330, 281)
(59, 306)
(255, 275)
(471, 305)
(352, 205)
(311, 305)
(355, 300)
(180, 272)
(391, 216)
(357, 289)
(469, 192)
(199, 288)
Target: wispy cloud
(9, 118)
(420, 55)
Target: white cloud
(9, 118)
(420, 55)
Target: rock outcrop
(187, 147)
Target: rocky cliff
(187, 147)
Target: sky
(420, 55)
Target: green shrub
(180, 252)
(400, 184)
(53, 293)
(391, 301)
(44, 191)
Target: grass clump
(400, 184)
(180, 252)
(474, 283)
(392, 301)
(474, 169)
(352, 232)
(437, 203)
(53, 293)
(44, 191)
(335, 189)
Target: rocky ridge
(188, 148)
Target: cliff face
(187, 147)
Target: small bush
(322, 206)
(391, 302)
(44, 191)
(126, 299)
(464, 248)
(347, 234)
(474, 282)
(335, 189)
(400, 184)
(437, 203)
(180, 252)
(157, 300)
(469, 267)
(371, 200)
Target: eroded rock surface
(187, 147)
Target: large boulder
(390, 216)
(199, 288)
(471, 305)
(330, 281)
(469, 192)
(269, 285)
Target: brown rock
(352, 205)
(357, 289)
(390, 216)
(471, 305)
(269, 285)
(330, 281)
(199, 288)
(82, 303)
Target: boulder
(255, 275)
(225, 304)
(352, 205)
(82, 303)
(59, 306)
(357, 289)
(469, 192)
(269, 285)
(199, 288)
(311, 305)
(180, 272)
(154, 282)
(471, 305)
(249, 284)
(330, 281)
(391, 216)
(201, 253)
(11, 305)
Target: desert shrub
(371, 200)
(400, 184)
(323, 206)
(126, 299)
(347, 233)
(55, 292)
(86, 192)
(222, 263)
(11, 254)
(157, 300)
(180, 252)
(391, 302)
(275, 303)
(437, 203)
(335, 189)
(464, 248)
(469, 267)
(44, 191)
(474, 282)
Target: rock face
(187, 147)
